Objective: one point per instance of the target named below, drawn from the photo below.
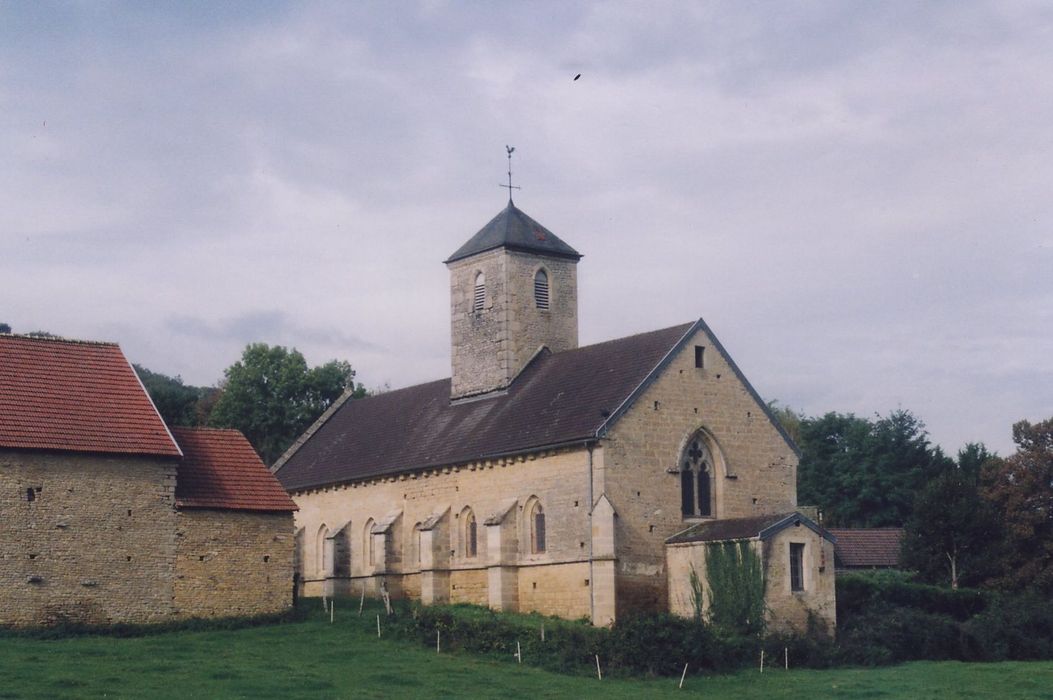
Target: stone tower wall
(490, 346)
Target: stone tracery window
(696, 478)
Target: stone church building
(544, 476)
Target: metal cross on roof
(510, 186)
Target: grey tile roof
(514, 230)
(758, 526)
(558, 399)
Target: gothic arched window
(541, 289)
(471, 534)
(322, 552)
(537, 529)
(479, 296)
(367, 545)
(696, 479)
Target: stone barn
(105, 516)
(541, 476)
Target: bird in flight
(577, 76)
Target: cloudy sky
(854, 195)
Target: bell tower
(513, 288)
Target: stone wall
(96, 543)
(440, 498)
(233, 563)
(786, 609)
(790, 609)
(756, 473)
(491, 345)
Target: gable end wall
(645, 442)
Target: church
(583, 482)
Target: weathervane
(510, 186)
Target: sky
(855, 196)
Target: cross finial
(510, 186)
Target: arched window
(471, 534)
(537, 528)
(367, 543)
(541, 289)
(418, 536)
(479, 298)
(696, 478)
(322, 551)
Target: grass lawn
(317, 659)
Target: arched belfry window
(696, 478)
(541, 289)
(479, 297)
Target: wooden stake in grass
(437, 632)
(362, 600)
(519, 652)
(378, 625)
(786, 657)
(762, 661)
(332, 608)
(542, 631)
(599, 674)
(683, 675)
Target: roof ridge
(59, 339)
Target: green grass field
(316, 659)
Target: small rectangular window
(31, 495)
(700, 353)
(796, 566)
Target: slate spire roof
(76, 396)
(514, 230)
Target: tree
(178, 403)
(952, 534)
(789, 419)
(865, 473)
(272, 396)
(5, 328)
(1020, 488)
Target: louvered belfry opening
(541, 289)
(479, 299)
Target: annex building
(544, 476)
(108, 516)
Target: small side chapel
(544, 476)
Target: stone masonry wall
(95, 545)
(789, 609)
(490, 346)
(756, 471)
(786, 609)
(557, 479)
(480, 357)
(233, 563)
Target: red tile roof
(221, 470)
(867, 547)
(79, 396)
